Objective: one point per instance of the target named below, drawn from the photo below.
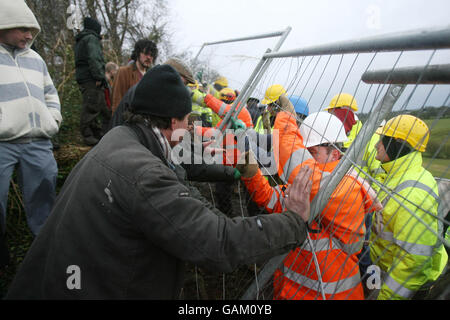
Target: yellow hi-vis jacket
(215, 118)
(401, 245)
(352, 134)
(259, 127)
(206, 112)
(371, 165)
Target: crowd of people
(128, 216)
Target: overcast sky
(313, 22)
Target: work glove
(247, 165)
(237, 174)
(239, 128)
(237, 124)
(285, 104)
(198, 97)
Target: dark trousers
(223, 198)
(252, 207)
(364, 255)
(4, 252)
(94, 110)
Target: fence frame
(254, 37)
(432, 74)
(422, 39)
(251, 83)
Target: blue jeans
(36, 172)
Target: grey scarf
(167, 150)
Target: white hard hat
(322, 127)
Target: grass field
(439, 139)
(442, 126)
(439, 168)
(440, 131)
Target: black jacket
(126, 219)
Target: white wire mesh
(317, 79)
(224, 59)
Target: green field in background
(439, 138)
(442, 126)
(439, 168)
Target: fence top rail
(254, 37)
(432, 74)
(422, 39)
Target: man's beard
(145, 65)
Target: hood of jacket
(16, 14)
(400, 165)
(85, 33)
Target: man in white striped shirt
(30, 114)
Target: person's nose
(28, 35)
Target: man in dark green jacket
(90, 76)
(125, 222)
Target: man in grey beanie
(125, 222)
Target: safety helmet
(222, 81)
(343, 100)
(322, 127)
(300, 105)
(194, 86)
(273, 93)
(407, 128)
(227, 95)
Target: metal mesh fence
(377, 231)
(355, 250)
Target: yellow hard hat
(343, 100)
(222, 81)
(273, 93)
(227, 95)
(408, 128)
(194, 86)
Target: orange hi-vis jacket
(341, 223)
(289, 151)
(337, 237)
(230, 145)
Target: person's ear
(173, 122)
(335, 155)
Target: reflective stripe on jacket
(206, 112)
(401, 245)
(221, 108)
(289, 151)
(336, 246)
